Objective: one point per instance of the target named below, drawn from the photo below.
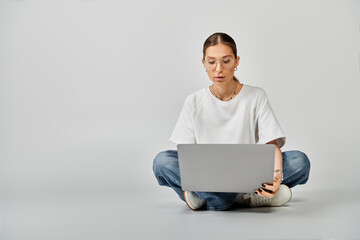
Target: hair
(223, 38)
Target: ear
(203, 62)
(237, 61)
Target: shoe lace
(257, 200)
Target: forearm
(278, 164)
(273, 188)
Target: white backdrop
(90, 90)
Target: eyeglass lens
(226, 63)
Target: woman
(230, 112)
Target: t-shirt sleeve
(267, 126)
(183, 131)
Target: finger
(267, 194)
(264, 192)
(271, 187)
(259, 192)
(274, 186)
(274, 183)
(270, 194)
(270, 190)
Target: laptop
(225, 167)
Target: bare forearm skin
(278, 162)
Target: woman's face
(220, 73)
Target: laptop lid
(225, 167)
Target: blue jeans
(296, 168)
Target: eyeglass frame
(221, 63)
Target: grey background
(90, 92)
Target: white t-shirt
(247, 118)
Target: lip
(219, 78)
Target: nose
(218, 66)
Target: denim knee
(158, 162)
(163, 160)
(298, 161)
(305, 163)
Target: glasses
(226, 63)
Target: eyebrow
(222, 57)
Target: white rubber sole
(285, 197)
(187, 201)
(193, 201)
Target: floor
(157, 213)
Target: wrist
(278, 172)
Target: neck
(226, 90)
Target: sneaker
(282, 197)
(193, 201)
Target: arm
(278, 157)
(270, 190)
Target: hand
(270, 190)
